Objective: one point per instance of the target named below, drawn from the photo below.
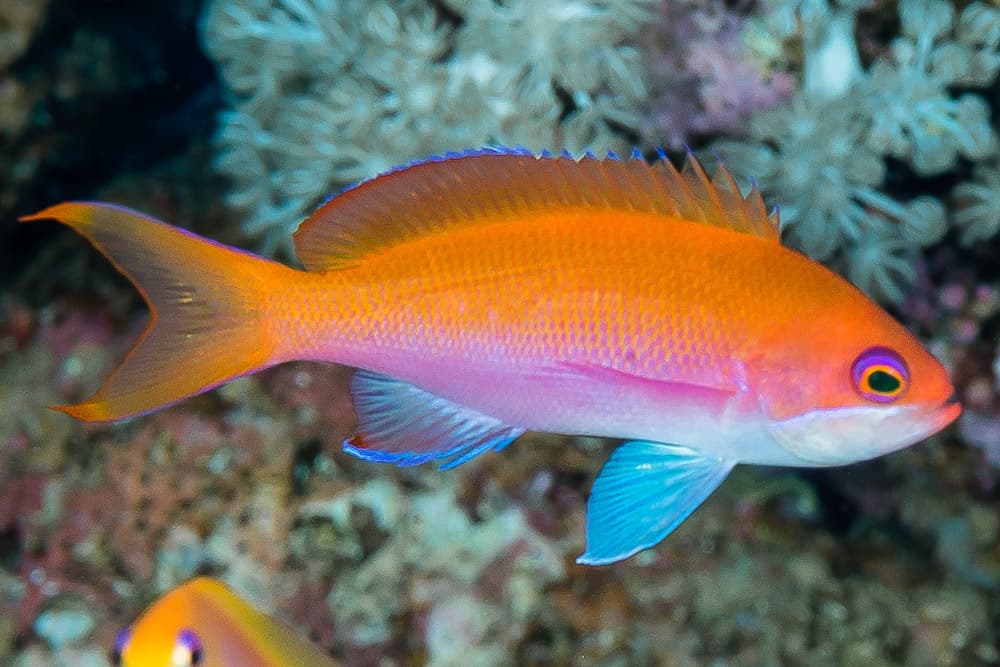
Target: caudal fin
(204, 298)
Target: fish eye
(188, 651)
(880, 375)
(121, 643)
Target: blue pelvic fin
(644, 492)
(403, 424)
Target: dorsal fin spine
(724, 184)
(464, 189)
(648, 185)
(695, 179)
(635, 183)
(593, 191)
(623, 180)
(677, 189)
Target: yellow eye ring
(882, 380)
(880, 375)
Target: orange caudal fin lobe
(205, 299)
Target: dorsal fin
(460, 189)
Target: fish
(492, 292)
(202, 623)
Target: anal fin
(405, 425)
(644, 491)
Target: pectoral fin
(645, 490)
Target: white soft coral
(978, 205)
(823, 157)
(327, 93)
(914, 117)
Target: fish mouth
(844, 435)
(923, 423)
(947, 412)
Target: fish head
(189, 626)
(835, 389)
(159, 641)
(156, 646)
(202, 623)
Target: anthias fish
(204, 624)
(489, 293)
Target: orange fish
(492, 292)
(204, 624)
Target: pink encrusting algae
(494, 292)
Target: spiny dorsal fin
(461, 189)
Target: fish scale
(537, 308)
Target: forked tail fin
(205, 326)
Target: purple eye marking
(188, 641)
(878, 360)
(121, 643)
